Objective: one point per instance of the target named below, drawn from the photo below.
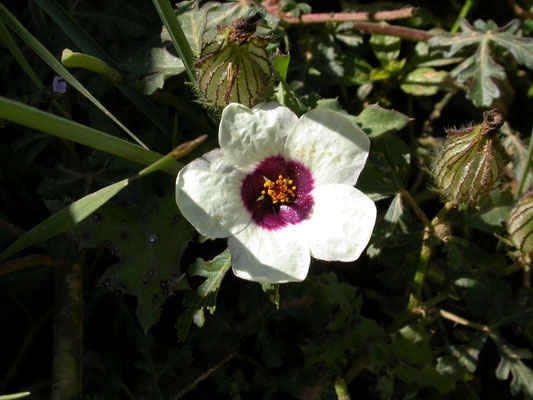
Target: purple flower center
(278, 193)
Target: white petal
(208, 193)
(332, 146)
(277, 256)
(341, 224)
(249, 135)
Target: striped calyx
(235, 66)
(520, 225)
(470, 163)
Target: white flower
(281, 189)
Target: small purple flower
(281, 188)
(59, 85)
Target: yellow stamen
(279, 191)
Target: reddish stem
(360, 20)
(390, 30)
(321, 18)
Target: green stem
(418, 211)
(420, 275)
(234, 391)
(462, 14)
(341, 389)
(527, 167)
(425, 256)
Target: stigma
(281, 190)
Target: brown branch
(33, 260)
(68, 329)
(360, 20)
(321, 18)
(390, 30)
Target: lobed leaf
(148, 239)
(511, 362)
(479, 69)
(205, 295)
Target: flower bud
(520, 225)
(235, 66)
(471, 161)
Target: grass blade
(176, 34)
(76, 212)
(42, 121)
(47, 57)
(87, 45)
(13, 48)
(64, 219)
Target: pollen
(281, 191)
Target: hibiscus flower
(281, 189)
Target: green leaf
(395, 211)
(87, 45)
(280, 63)
(47, 57)
(162, 66)
(149, 240)
(414, 359)
(463, 357)
(177, 35)
(507, 311)
(286, 97)
(272, 291)
(33, 118)
(65, 219)
(479, 69)
(205, 295)
(511, 362)
(331, 65)
(386, 48)
(193, 20)
(492, 213)
(520, 47)
(377, 121)
(423, 81)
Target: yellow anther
(279, 190)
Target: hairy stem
(391, 30)
(321, 18)
(462, 321)
(418, 211)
